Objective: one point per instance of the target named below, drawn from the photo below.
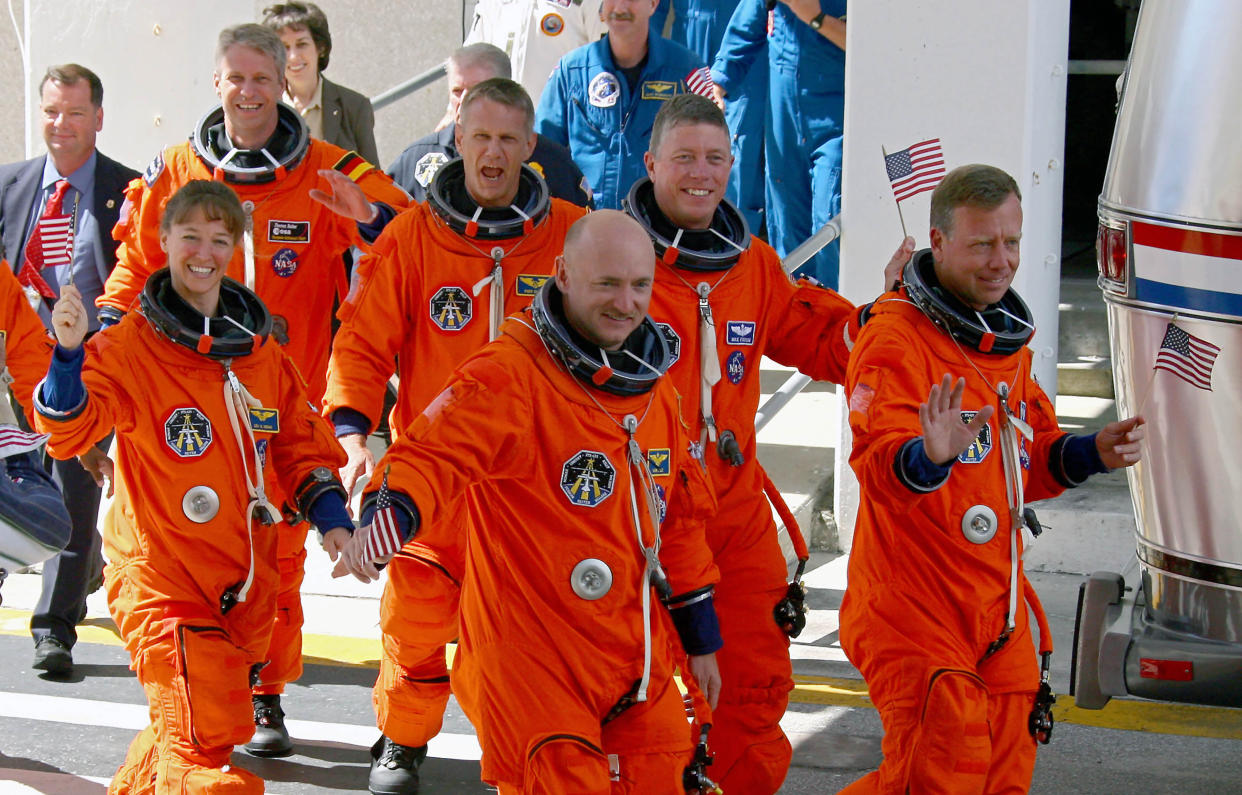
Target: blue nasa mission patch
(187, 432)
(451, 308)
(981, 446)
(587, 478)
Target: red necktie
(50, 244)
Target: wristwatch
(817, 21)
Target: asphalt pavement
(67, 736)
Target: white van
(1170, 258)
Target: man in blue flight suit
(700, 25)
(602, 99)
(806, 93)
(470, 65)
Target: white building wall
(155, 58)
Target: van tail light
(1170, 670)
(1111, 253)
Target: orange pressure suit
(298, 273)
(757, 311)
(924, 602)
(417, 303)
(541, 670)
(194, 598)
(26, 346)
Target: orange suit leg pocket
(199, 690)
(562, 763)
(951, 748)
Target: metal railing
(794, 260)
(1096, 67)
(400, 90)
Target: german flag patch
(354, 166)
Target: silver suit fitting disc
(591, 579)
(200, 504)
(979, 524)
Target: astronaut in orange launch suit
(935, 615)
(295, 235)
(432, 292)
(724, 301)
(584, 507)
(211, 418)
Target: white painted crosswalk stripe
(108, 714)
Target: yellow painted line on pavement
(1122, 714)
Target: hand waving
(945, 436)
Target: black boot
(53, 656)
(394, 767)
(271, 738)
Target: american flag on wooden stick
(385, 537)
(916, 168)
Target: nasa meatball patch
(587, 478)
(285, 262)
(735, 367)
(451, 308)
(187, 432)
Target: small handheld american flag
(700, 82)
(915, 169)
(385, 536)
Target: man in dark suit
(470, 65)
(71, 102)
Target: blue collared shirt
(88, 258)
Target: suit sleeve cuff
(916, 471)
(1073, 459)
(383, 214)
(347, 421)
(694, 617)
(328, 512)
(61, 395)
